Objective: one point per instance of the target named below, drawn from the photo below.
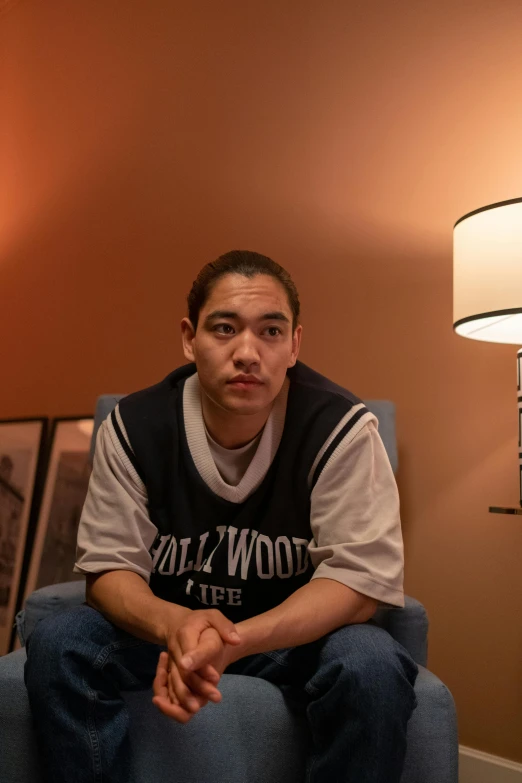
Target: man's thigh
(80, 642)
(363, 648)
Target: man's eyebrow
(220, 314)
(277, 315)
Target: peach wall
(140, 140)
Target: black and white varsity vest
(241, 558)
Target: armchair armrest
(408, 626)
(46, 601)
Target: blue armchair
(252, 735)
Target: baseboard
(478, 767)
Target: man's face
(244, 343)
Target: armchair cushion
(230, 741)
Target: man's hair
(239, 262)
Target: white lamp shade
(487, 273)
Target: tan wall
(344, 139)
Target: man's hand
(175, 687)
(180, 692)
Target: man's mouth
(245, 380)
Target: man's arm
(355, 519)
(115, 534)
(113, 549)
(124, 598)
(317, 608)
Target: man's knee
(63, 630)
(367, 663)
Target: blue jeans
(355, 685)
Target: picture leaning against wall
(22, 443)
(67, 476)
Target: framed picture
(68, 470)
(22, 446)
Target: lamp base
(505, 510)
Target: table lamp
(487, 287)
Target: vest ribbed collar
(200, 448)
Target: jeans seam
(99, 662)
(105, 652)
(276, 658)
(311, 767)
(312, 690)
(93, 736)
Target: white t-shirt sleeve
(115, 531)
(355, 520)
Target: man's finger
(226, 628)
(188, 635)
(204, 653)
(172, 710)
(170, 687)
(160, 682)
(209, 673)
(187, 699)
(202, 687)
(208, 647)
(163, 694)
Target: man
(242, 506)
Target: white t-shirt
(354, 518)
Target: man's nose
(246, 351)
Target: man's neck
(229, 429)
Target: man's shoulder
(303, 377)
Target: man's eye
(222, 328)
(274, 331)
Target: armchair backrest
(383, 409)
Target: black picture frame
(22, 470)
(51, 554)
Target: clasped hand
(199, 651)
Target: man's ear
(188, 334)
(296, 345)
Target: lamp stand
(507, 509)
(519, 398)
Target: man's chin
(243, 407)
(236, 403)
(241, 404)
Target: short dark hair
(239, 262)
